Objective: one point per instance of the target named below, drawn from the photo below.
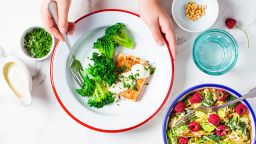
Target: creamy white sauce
(15, 78)
(141, 70)
(138, 71)
(117, 88)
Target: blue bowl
(215, 52)
(202, 86)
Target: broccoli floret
(103, 69)
(100, 96)
(120, 34)
(106, 46)
(87, 88)
(97, 93)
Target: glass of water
(215, 52)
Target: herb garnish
(38, 43)
(150, 69)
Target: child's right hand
(65, 26)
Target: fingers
(155, 29)
(167, 29)
(63, 8)
(48, 21)
(172, 42)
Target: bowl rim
(234, 47)
(195, 31)
(29, 29)
(166, 117)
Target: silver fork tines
(77, 76)
(76, 66)
(185, 119)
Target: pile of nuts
(194, 11)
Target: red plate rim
(95, 128)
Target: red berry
(221, 130)
(221, 94)
(183, 140)
(241, 109)
(230, 23)
(194, 126)
(214, 119)
(196, 98)
(179, 107)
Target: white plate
(125, 115)
(203, 23)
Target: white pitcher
(15, 78)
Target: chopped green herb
(136, 75)
(126, 85)
(133, 87)
(38, 43)
(132, 77)
(145, 68)
(152, 70)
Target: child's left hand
(153, 14)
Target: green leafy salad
(38, 43)
(103, 73)
(229, 125)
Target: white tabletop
(44, 122)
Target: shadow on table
(39, 82)
(226, 9)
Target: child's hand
(65, 26)
(158, 21)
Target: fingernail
(161, 43)
(63, 30)
(69, 33)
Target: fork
(191, 114)
(75, 66)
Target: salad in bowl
(230, 125)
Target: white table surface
(44, 122)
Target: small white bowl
(25, 51)
(203, 23)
